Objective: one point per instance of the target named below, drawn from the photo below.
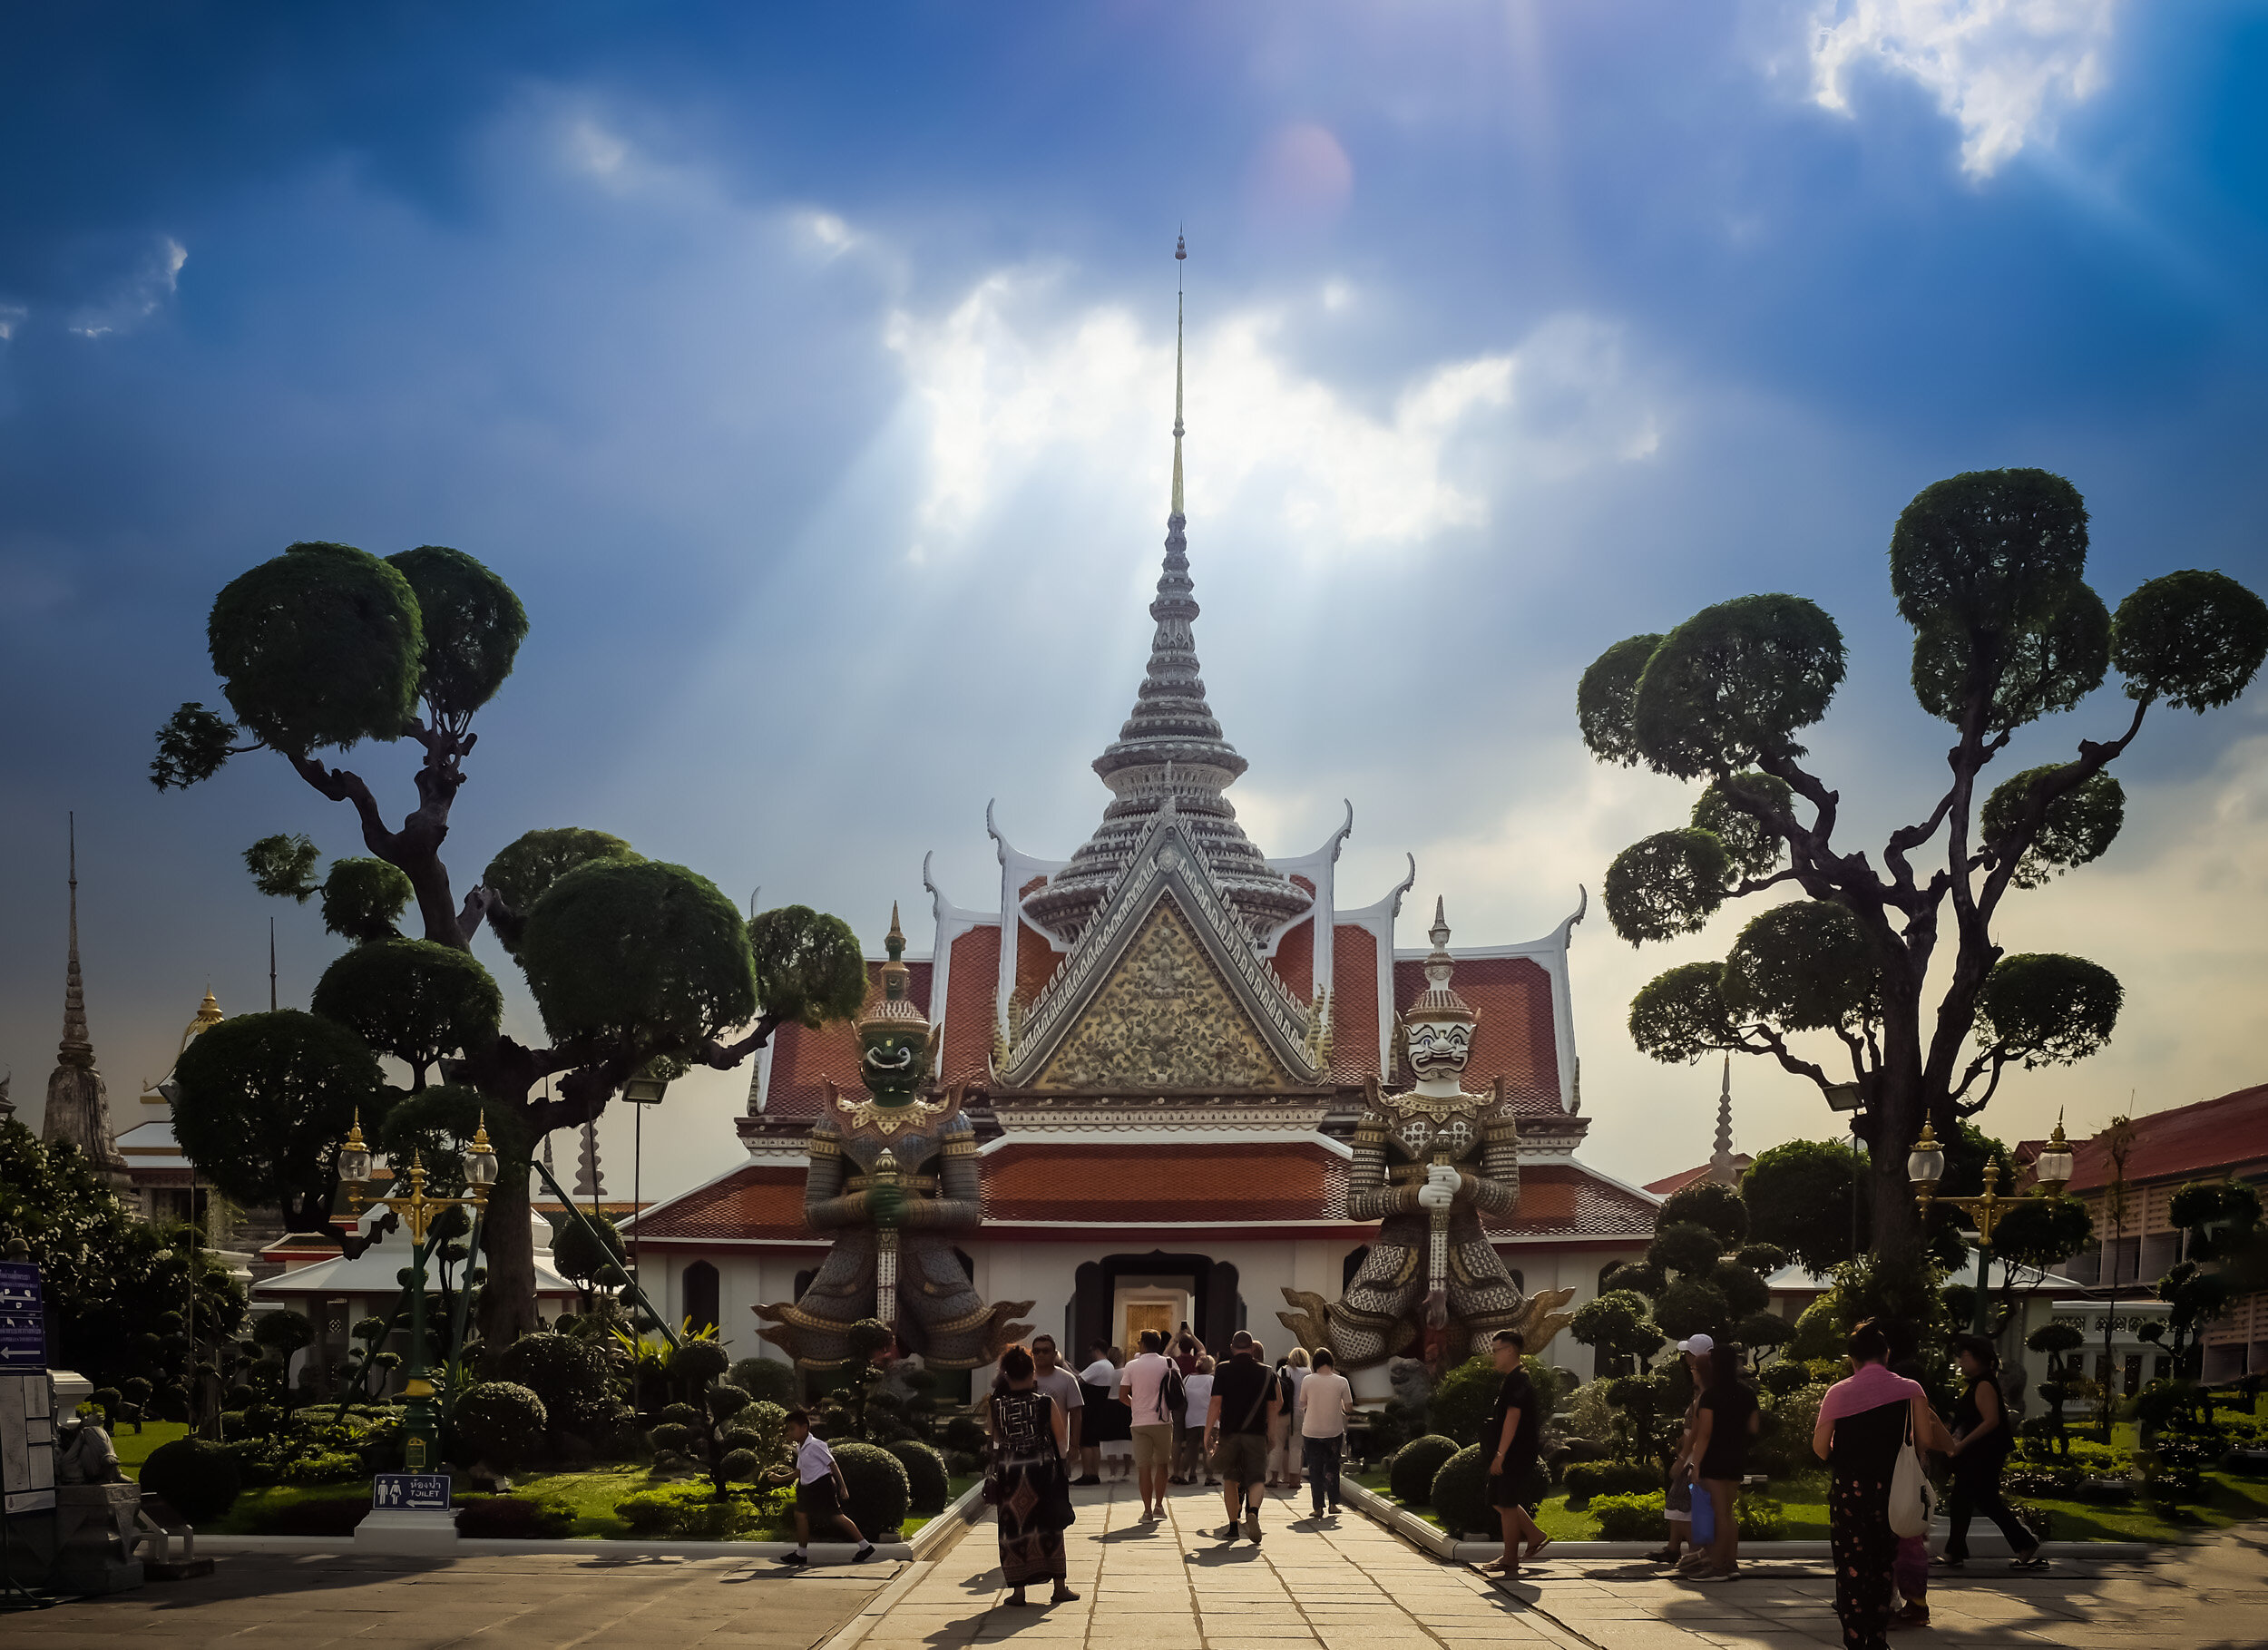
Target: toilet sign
(410, 1492)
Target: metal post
(637, 1294)
(1980, 1317)
(1855, 1187)
(419, 1443)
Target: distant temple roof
(2206, 1141)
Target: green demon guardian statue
(1428, 1164)
(895, 1174)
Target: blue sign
(23, 1319)
(410, 1492)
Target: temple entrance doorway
(1118, 1296)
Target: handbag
(993, 1488)
(1912, 1500)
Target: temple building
(1163, 1040)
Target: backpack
(1173, 1396)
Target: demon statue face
(1438, 1049)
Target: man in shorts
(1142, 1389)
(820, 1492)
(1236, 1430)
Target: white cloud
(1004, 384)
(137, 297)
(1996, 66)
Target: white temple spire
(1723, 1169)
(1181, 255)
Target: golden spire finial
(1180, 254)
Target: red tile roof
(971, 985)
(1234, 1183)
(1515, 1039)
(1567, 1200)
(1036, 961)
(1354, 1004)
(801, 1057)
(762, 1201)
(2199, 1142)
(1685, 1177)
(1032, 1186)
(1295, 960)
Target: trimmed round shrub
(672, 1435)
(647, 1515)
(1410, 1474)
(879, 1490)
(1461, 1492)
(927, 1484)
(499, 1422)
(967, 1434)
(1630, 1518)
(1461, 1400)
(331, 1467)
(199, 1479)
(741, 1466)
(1591, 1478)
(1784, 1377)
(767, 1380)
(696, 1363)
(569, 1375)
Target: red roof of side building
(1685, 1177)
(757, 1203)
(2200, 1142)
(1515, 1039)
(1295, 960)
(802, 1058)
(1567, 1201)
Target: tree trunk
(507, 1307)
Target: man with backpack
(1152, 1392)
(1244, 1398)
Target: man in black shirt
(1509, 1439)
(1244, 1397)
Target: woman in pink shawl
(1862, 1428)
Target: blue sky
(809, 377)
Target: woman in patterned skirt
(1031, 1490)
(1862, 1429)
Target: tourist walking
(1728, 1417)
(1061, 1385)
(1864, 1424)
(1508, 1439)
(1677, 1488)
(1147, 1391)
(820, 1492)
(1982, 1440)
(1322, 1403)
(1189, 1455)
(1236, 1422)
(1189, 1424)
(1104, 1438)
(1028, 1479)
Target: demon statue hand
(1429, 1163)
(895, 1176)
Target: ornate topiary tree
(1988, 567)
(629, 962)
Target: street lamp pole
(1849, 1098)
(419, 1211)
(1925, 1167)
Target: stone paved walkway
(1347, 1585)
(537, 1602)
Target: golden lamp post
(419, 1211)
(1925, 1167)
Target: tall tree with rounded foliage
(635, 965)
(1989, 569)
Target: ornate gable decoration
(1165, 992)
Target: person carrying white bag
(1868, 1426)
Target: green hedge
(1591, 1478)
(200, 1480)
(1460, 1493)
(1415, 1466)
(1631, 1518)
(930, 1487)
(880, 1492)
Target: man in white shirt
(820, 1492)
(1142, 1389)
(1326, 1400)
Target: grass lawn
(133, 1448)
(2233, 1500)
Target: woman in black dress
(1030, 1487)
(1725, 1417)
(1980, 1426)
(1862, 1426)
